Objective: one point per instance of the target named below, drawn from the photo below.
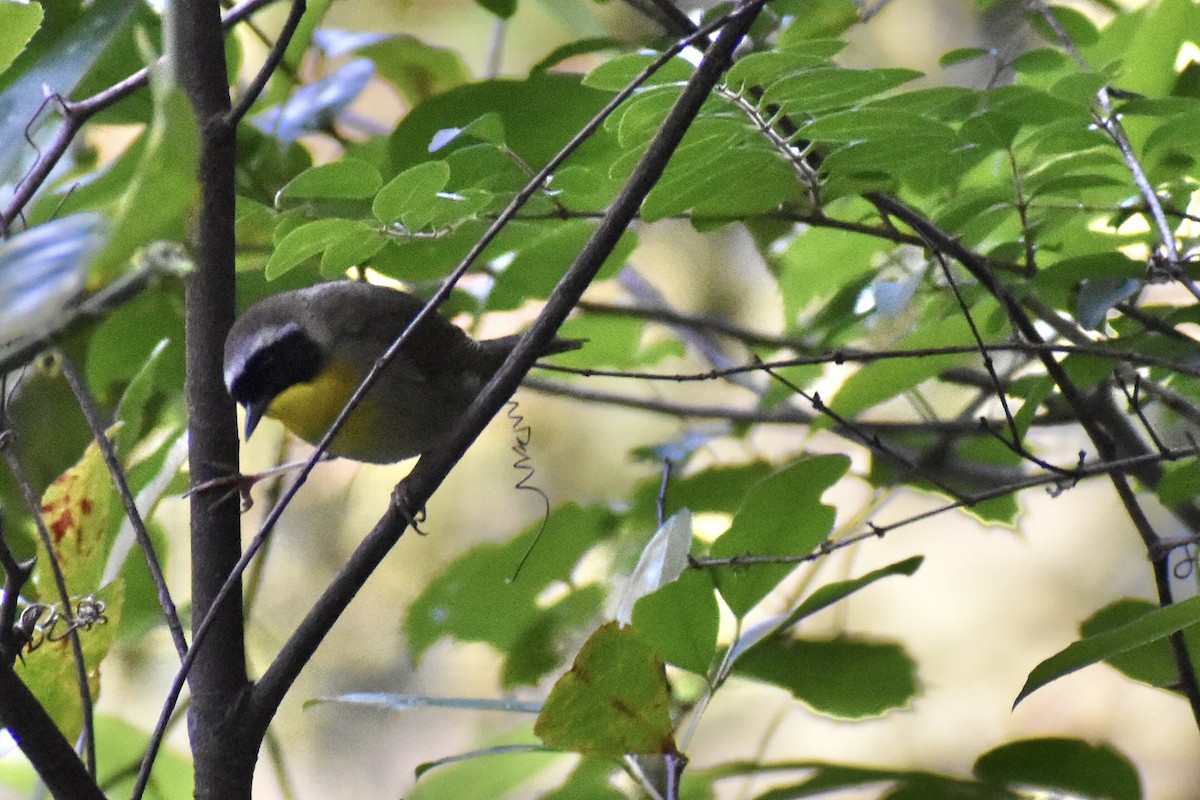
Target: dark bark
(224, 759)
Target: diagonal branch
(60, 584)
(91, 413)
(433, 467)
(274, 56)
(41, 742)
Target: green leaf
(883, 380)
(50, 671)
(818, 19)
(638, 120)
(681, 621)
(827, 779)
(157, 203)
(820, 261)
(1180, 483)
(123, 343)
(305, 241)
(765, 68)
(1069, 766)
(488, 128)
(617, 73)
(846, 678)
(501, 8)
(75, 509)
(614, 700)
(611, 342)
(1153, 663)
(1079, 29)
(119, 743)
(345, 179)
(533, 133)
(706, 176)
(1148, 43)
(663, 560)
(832, 593)
(1154, 626)
(826, 89)
(590, 780)
(18, 23)
(581, 47)
(962, 55)
(539, 264)
(476, 598)
(1042, 59)
(352, 248)
(479, 774)
(409, 191)
(717, 489)
(866, 124)
(782, 516)
(131, 411)
(942, 103)
(538, 649)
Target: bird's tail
(504, 345)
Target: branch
(1095, 422)
(91, 413)
(854, 355)
(1053, 480)
(16, 575)
(64, 596)
(274, 56)
(41, 742)
(431, 470)
(224, 759)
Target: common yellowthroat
(297, 356)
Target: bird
(297, 356)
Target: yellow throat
(308, 409)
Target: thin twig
(854, 355)
(780, 415)
(874, 531)
(60, 583)
(16, 575)
(40, 740)
(1135, 402)
(270, 64)
(91, 413)
(871, 442)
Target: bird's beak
(254, 415)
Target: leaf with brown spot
(75, 508)
(614, 700)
